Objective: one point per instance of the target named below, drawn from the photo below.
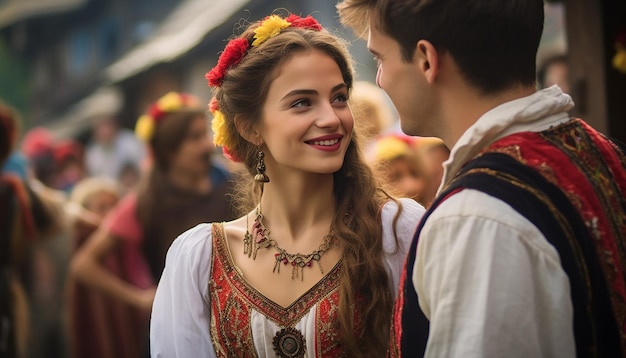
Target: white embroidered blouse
(203, 308)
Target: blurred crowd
(85, 226)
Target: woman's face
(194, 154)
(101, 203)
(405, 179)
(306, 124)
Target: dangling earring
(260, 167)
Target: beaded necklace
(259, 239)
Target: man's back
(527, 228)
(569, 184)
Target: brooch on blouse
(289, 343)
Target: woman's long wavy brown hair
(364, 284)
(167, 139)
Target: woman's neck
(296, 206)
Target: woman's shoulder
(407, 209)
(195, 236)
(399, 219)
(194, 244)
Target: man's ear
(248, 131)
(427, 59)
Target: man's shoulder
(469, 203)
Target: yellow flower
(144, 129)
(220, 134)
(619, 60)
(270, 27)
(389, 149)
(170, 102)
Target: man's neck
(470, 105)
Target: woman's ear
(247, 130)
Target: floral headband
(171, 102)
(233, 53)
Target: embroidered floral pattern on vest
(233, 300)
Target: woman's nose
(328, 117)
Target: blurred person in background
(17, 231)
(395, 160)
(433, 152)
(49, 256)
(130, 176)
(38, 148)
(554, 71)
(182, 189)
(16, 164)
(111, 148)
(97, 324)
(28, 218)
(371, 110)
(69, 160)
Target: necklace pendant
(247, 244)
(289, 343)
(256, 248)
(280, 258)
(276, 266)
(294, 271)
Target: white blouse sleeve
(179, 325)
(396, 251)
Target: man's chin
(410, 128)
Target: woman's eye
(196, 136)
(341, 98)
(304, 102)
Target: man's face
(105, 131)
(403, 81)
(557, 74)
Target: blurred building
(88, 58)
(91, 58)
(596, 30)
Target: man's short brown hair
(494, 42)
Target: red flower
(213, 105)
(232, 55)
(231, 155)
(155, 112)
(306, 23)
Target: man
(111, 149)
(523, 252)
(554, 71)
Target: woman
(311, 268)
(92, 316)
(31, 218)
(182, 190)
(395, 160)
(17, 234)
